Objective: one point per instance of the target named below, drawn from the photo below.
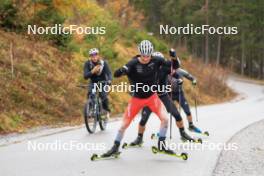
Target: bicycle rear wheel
(90, 117)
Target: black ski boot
(162, 146)
(194, 128)
(137, 142)
(186, 137)
(114, 150)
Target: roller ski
(113, 153)
(163, 150)
(137, 143)
(194, 129)
(183, 156)
(186, 138)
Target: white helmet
(159, 54)
(145, 47)
(93, 51)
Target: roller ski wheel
(183, 156)
(199, 140)
(96, 157)
(126, 145)
(154, 150)
(154, 136)
(206, 133)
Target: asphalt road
(221, 120)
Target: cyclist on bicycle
(97, 70)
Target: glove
(96, 69)
(194, 82)
(119, 72)
(172, 52)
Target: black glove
(119, 72)
(172, 53)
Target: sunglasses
(145, 55)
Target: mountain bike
(93, 111)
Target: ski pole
(170, 126)
(170, 117)
(195, 104)
(171, 75)
(179, 99)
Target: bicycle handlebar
(87, 85)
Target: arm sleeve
(86, 71)
(185, 74)
(166, 68)
(125, 69)
(174, 62)
(108, 71)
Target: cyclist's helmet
(159, 54)
(145, 48)
(93, 51)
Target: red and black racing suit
(144, 75)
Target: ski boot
(194, 129)
(113, 151)
(185, 137)
(137, 142)
(163, 148)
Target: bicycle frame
(96, 102)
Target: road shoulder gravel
(248, 159)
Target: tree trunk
(219, 41)
(11, 53)
(185, 42)
(261, 67)
(206, 35)
(218, 50)
(242, 62)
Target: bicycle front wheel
(90, 118)
(103, 123)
